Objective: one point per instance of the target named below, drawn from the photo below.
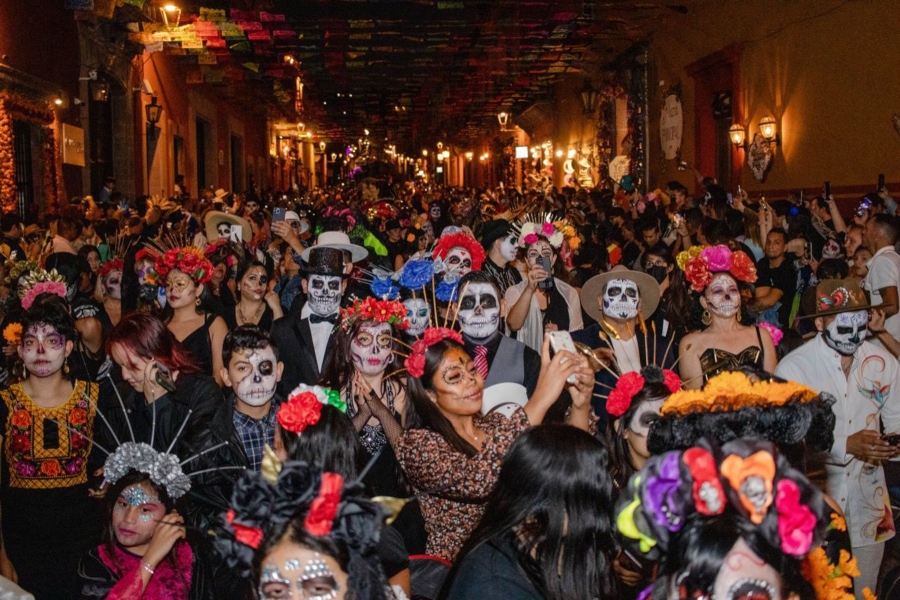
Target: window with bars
(23, 157)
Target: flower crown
(163, 468)
(189, 260)
(630, 384)
(747, 481)
(372, 309)
(415, 362)
(699, 263)
(553, 231)
(304, 407)
(41, 282)
(116, 264)
(448, 241)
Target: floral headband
(630, 384)
(189, 260)
(699, 263)
(41, 282)
(415, 362)
(372, 309)
(304, 407)
(555, 232)
(676, 488)
(116, 264)
(163, 468)
(448, 241)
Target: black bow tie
(314, 318)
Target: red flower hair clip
(448, 241)
(249, 536)
(372, 309)
(116, 264)
(630, 384)
(299, 411)
(189, 260)
(415, 362)
(709, 497)
(324, 508)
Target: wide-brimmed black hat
(493, 231)
(324, 261)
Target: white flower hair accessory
(535, 227)
(163, 468)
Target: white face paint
(620, 299)
(113, 284)
(254, 375)
(745, 575)
(723, 298)
(371, 349)
(419, 313)
(848, 331)
(434, 212)
(324, 294)
(459, 260)
(509, 248)
(479, 311)
(224, 231)
(43, 350)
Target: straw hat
(214, 218)
(593, 289)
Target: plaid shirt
(256, 433)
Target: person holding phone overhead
(542, 302)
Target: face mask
(43, 350)
(658, 273)
(509, 248)
(258, 370)
(620, 299)
(723, 297)
(479, 311)
(324, 292)
(113, 285)
(847, 332)
(418, 312)
(459, 261)
(371, 349)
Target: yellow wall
(825, 69)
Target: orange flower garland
(734, 391)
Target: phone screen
(544, 262)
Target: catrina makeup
(306, 576)
(371, 349)
(254, 375)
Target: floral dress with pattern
(48, 519)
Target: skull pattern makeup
(620, 299)
(745, 575)
(479, 310)
(371, 349)
(723, 298)
(224, 231)
(324, 294)
(419, 314)
(304, 575)
(43, 350)
(459, 260)
(509, 248)
(112, 284)
(847, 331)
(258, 373)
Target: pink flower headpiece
(415, 362)
(41, 282)
(699, 263)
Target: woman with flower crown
(715, 273)
(48, 517)
(184, 273)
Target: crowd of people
(402, 390)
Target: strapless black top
(714, 361)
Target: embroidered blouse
(48, 448)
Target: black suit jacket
(293, 337)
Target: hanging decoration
(15, 108)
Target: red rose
(627, 387)
(299, 412)
(415, 364)
(697, 273)
(78, 416)
(249, 536)
(324, 507)
(20, 443)
(742, 267)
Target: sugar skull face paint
(620, 299)
(291, 571)
(847, 331)
(745, 576)
(419, 313)
(479, 310)
(136, 513)
(459, 260)
(254, 375)
(509, 247)
(723, 298)
(43, 350)
(324, 294)
(112, 284)
(371, 349)
(224, 230)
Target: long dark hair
(422, 412)
(621, 467)
(553, 498)
(146, 335)
(339, 371)
(331, 444)
(243, 267)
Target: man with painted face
(305, 336)
(620, 301)
(252, 371)
(864, 378)
(498, 237)
(498, 357)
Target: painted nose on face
(257, 378)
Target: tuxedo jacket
(294, 339)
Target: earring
(66, 367)
(197, 301)
(24, 372)
(706, 318)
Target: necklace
(256, 315)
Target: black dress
(714, 361)
(199, 345)
(265, 321)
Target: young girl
(145, 553)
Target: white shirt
(869, 395)
(320, 332)
(628, 356)
(532, 332)
(884, 272)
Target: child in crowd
(252, 371)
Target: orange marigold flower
(838, 522)
(21, 419)
(847, 565)
(51, 468)
(868, 595)
(78, 416)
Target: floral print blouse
(454, 487)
